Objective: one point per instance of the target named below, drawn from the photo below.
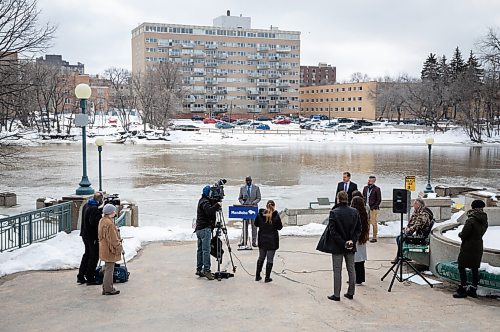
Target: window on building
(360, 109)
(360, 98)
(336, 109)
(342, 109)
(349, 89)
(360, 88)
(348, 109)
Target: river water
(166, 180)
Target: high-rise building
(227, 67)
(321, 74)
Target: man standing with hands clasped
(345, 227)
(249, 195)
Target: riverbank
(164, 294)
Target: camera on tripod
(112, 199)
(217, 190)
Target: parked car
(252, 124)
(243, 122)
(223, 125)
(263, 118)
(355, 127)
(365, 129)
(342, 127)
(186, 128)
(208, 121)
(262, 126)
(282, 121)
(364, 123)
(197, 118)
(344, 120)
(227, 119)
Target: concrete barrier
(440, 207)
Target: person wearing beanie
(471, 249)
(110, 247)
(205, 223)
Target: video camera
(217, 190)
(112, 199)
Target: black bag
(213, 247)
(120, 273)
(325, 243)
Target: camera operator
(249, 195)
(205, 223)
(91, 214)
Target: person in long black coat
(269, 223)
(471, 249)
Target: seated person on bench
(419, 225)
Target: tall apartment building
(347, 100)
(227, 67)
(57, 60)
(322, 74)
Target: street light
(428, 189)
(83, 92)
(100, 142)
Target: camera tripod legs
(221, 228)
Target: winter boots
(269, 268)
(260, 264)
(463, 292)
(460, 293)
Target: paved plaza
(163, 294)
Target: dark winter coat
(91, 214)
(205, 214)
(471, 250)
(345, 225)
(375, 196)
(268, 231)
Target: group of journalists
(346, 234)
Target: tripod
(220, 226)
(400, 261)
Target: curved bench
(449, 270)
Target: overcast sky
(376, 37)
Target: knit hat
(108, 209)
(206, 190)
(477, 204)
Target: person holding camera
(91, 214)
(205, 223)
(269, 223)
(345, 227)
(110, 247)
(249, 195)
(471, 249)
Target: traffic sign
(410, 183)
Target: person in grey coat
(249, 195)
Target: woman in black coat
(269, 223)
(471, 250)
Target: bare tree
(159, 91)
(122, 97)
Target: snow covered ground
(281, 134)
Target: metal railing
(23, 229)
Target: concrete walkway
(163, 294)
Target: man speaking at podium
(249, 195)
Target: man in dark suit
(347, 186)
(249, 195)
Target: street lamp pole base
(85, 187)
(428, 189)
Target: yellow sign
(410, 183)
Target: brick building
(322, 74)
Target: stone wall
(441, 207)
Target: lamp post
(83, 92)
(428, 189)
(100, 142)
(329, 108)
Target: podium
(247, 213)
